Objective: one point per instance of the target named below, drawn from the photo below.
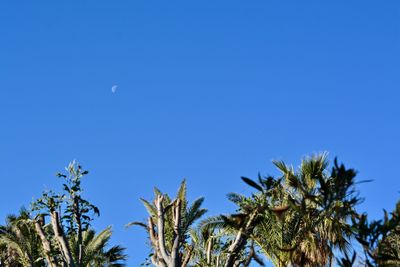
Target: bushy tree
(66, 239)
(379, 239)
(70, 241)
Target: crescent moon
(114, 88)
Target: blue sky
(207, 90)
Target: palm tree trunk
(61, 239)
(240, 240)
(209, 247)
(175, 258)
(188, 256)
(45, 244)
(161, 234)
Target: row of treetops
(303, 217)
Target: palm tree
(19, 243)
(96, 252)
(238, 228)
(308, 212)
(168, 226)
(209, 246)
(297, 219)
(20, 246)
(211, 243)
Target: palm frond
(137, 224)
(151, 209)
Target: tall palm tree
(297, 219)
(168, 226)
(309, 214)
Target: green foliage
(380, 239)
(96, 251)
(19, 243)
(78, 212)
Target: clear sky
(207, 90)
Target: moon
(114, 88)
